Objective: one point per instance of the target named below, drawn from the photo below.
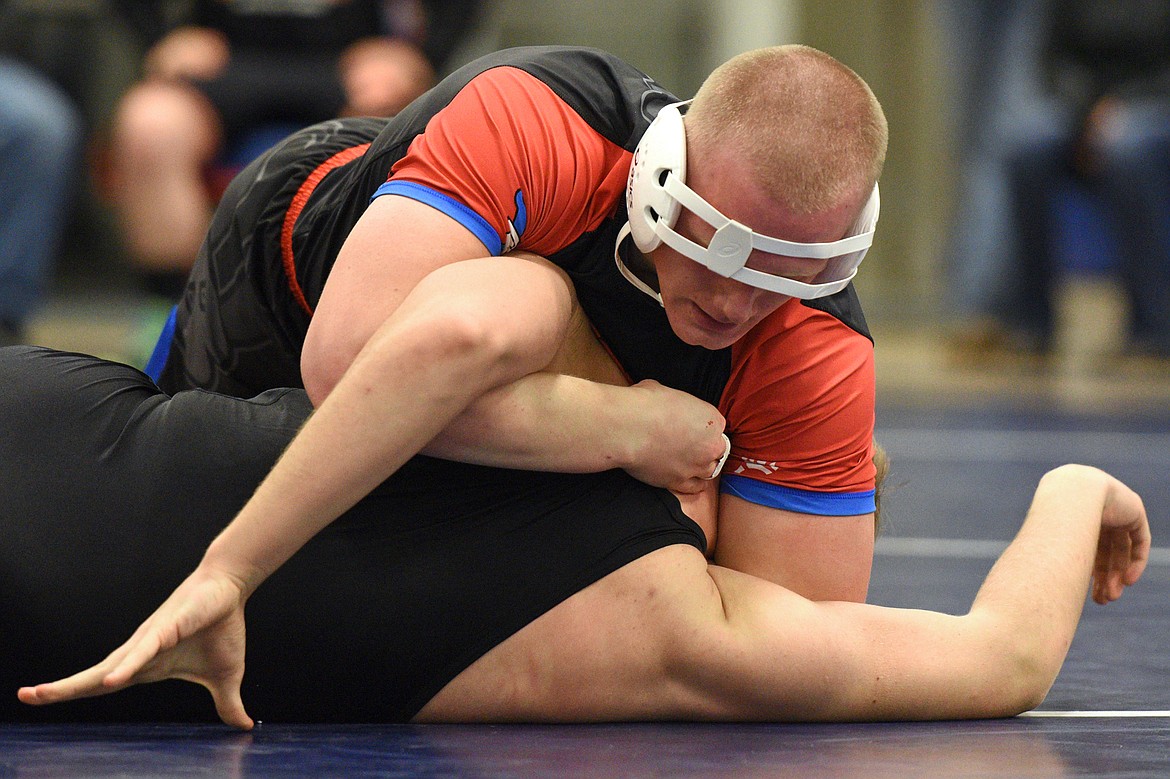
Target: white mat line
(967, 549)
(1023, 446)
(1121, 714)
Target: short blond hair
(881, 468)
(809, 124)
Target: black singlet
(112, 490)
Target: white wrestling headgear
(656, 189)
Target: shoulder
(615, 99)
(527, 147)
(800, 401)
(822, 342)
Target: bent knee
(158, 116)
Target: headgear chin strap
(657, 189)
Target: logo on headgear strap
(656, 191)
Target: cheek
(773, 301)
(679, 276)
(766, 305)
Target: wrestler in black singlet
(112, 491)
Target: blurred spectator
(1107, 65)
(227, 69)
(40, 139)
(992, 54)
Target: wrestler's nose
(735, 302)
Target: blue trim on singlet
(521, 220)
(162, 347)
(828, 504)
(478, 226)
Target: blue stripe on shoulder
(829, 504)
(478, 226)
(162, 347)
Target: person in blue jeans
(40, 138)
(991, 55)
(1107, 64)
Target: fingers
(197, 635)
(1118, 562)
(85, 684)
(1140, 543)
(117, 671)
(142, 652)
(1121, 559)
(1123, 548)
(95, 681)
(709, 471)
(1101, 567)
(689, 477)
(722, 458)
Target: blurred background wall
(891, 43)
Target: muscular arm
(574, 416)
(448, 342)
(853, 661)
(670, 637)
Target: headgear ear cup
(663, 149)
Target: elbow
(326, 354)
(317, 380)
(1034, 668)
(321, 369)
(1025, 686)
(1025, 669)
(463, 345)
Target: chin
(697, 336)
(693, 328)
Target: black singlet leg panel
(112, 490)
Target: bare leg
(164, 134)
(667, 637)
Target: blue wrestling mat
(959, 485)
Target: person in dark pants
(1107, 68)
(40, 150)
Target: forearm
(557, 422)
(446, 345)
(576, 416)
(364, 431)
(545, 421)
(862, 662)
(1035, 592)
(1003, 656)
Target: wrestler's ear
(661, 151)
